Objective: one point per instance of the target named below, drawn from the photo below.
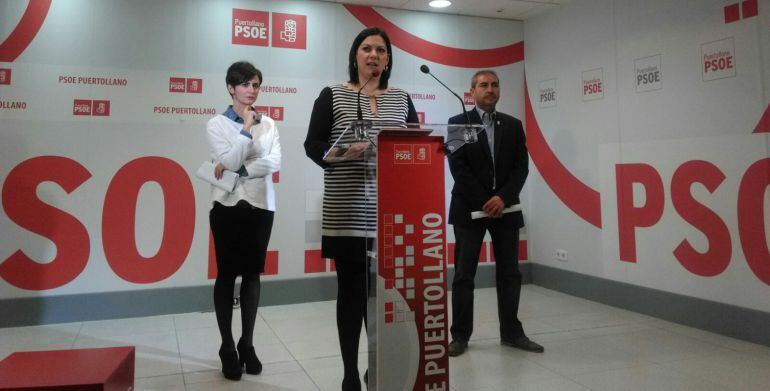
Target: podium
(100, 369)
(407, 319)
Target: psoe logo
(648, 73)
(547, 93)
(81, 107)
(97, 108)
(422, 153)
(194, 86)
(276, 113)
(182, 85)
(741, 10)
(100, 108)
(176, 84)
(468, 99)
(718, 59)
(402, 154)
(289, 31)
(5, 76)
(262, 110)
(251, 27)
(593, 85)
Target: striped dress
(349, 202)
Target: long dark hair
(353, 71)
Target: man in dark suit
(488, 175)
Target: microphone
(360, 125)
(469, 135)
(358, 97)
(424, 68)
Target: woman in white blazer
(242, 141)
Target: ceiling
(502, 9)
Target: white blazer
(260, 155)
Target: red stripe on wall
(212, 274)
(764, 123)
(315, 264)
(412, 44)
(25, 31)
(576, 195)
(271, 263)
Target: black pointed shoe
(457, 347)
(249, 359)
(524, 343)
(231, 367)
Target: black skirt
(346, 247)
(241, 234)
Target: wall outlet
(561, 255)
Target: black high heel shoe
(351, 383)
(230, 365)
(248, 357)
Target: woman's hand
(218, 170)
(356, 151)
(249, 116)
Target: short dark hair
(241, 72)
(483, 72)
(352, 67)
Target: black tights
(351, 310)
(224, 286)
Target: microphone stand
(469, 135)
(360, 125)
(424, 68)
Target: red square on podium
(103, 369)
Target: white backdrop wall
(669, 173)
(102, 115)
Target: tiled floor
(589, 346)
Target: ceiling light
(440, 3)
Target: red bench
(104, 369)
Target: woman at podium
(242, 141)
(349, 213)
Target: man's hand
(218, 170)
(494, 207)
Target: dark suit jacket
(472, 169)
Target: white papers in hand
(226, 183)
(480, 214)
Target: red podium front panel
(411, 265)
(103, 369)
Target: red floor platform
(104, 369)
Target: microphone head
(376, 74)
(424, 68)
